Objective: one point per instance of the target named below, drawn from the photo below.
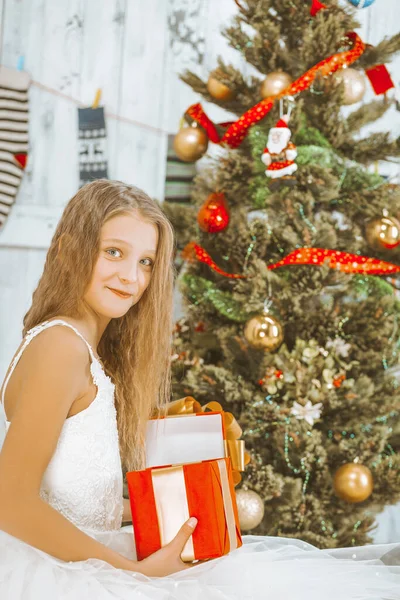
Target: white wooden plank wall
(133, 50)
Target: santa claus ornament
(279, 153)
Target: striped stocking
(13, 135)
(178, 177)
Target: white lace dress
(83, 482)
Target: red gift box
(163, 498)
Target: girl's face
(128, 246)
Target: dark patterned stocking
(92, 145)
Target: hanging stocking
(13, 135)
(92, 145)
(179, 176)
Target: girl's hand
(168, 560)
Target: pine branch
(222, 301)
(194, 81)
(260, 49)
(183, 219)
(244, 97)
(381, 53)
(377, 146)
(367, 113)
(323, 110)
(321, 40)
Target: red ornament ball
(213, 215)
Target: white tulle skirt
(264, 568)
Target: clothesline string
(108, 114)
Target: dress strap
(34, 332)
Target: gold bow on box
(234, 447)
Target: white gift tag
(184, 439)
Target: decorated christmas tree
(288, 258)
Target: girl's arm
(54, 370)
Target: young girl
(93, 365)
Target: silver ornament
(250, 508)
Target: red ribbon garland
(193, 251)
(236, 132)
(378, 75)
(343, 261)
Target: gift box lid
(183, 439)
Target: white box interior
(182, 440)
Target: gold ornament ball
(264, 332)
(383, 233)
(190, 143)
(354, 85)
(218, 90)
(275, 83)
(250, 509)
(353, 483)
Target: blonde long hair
(135, 348)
